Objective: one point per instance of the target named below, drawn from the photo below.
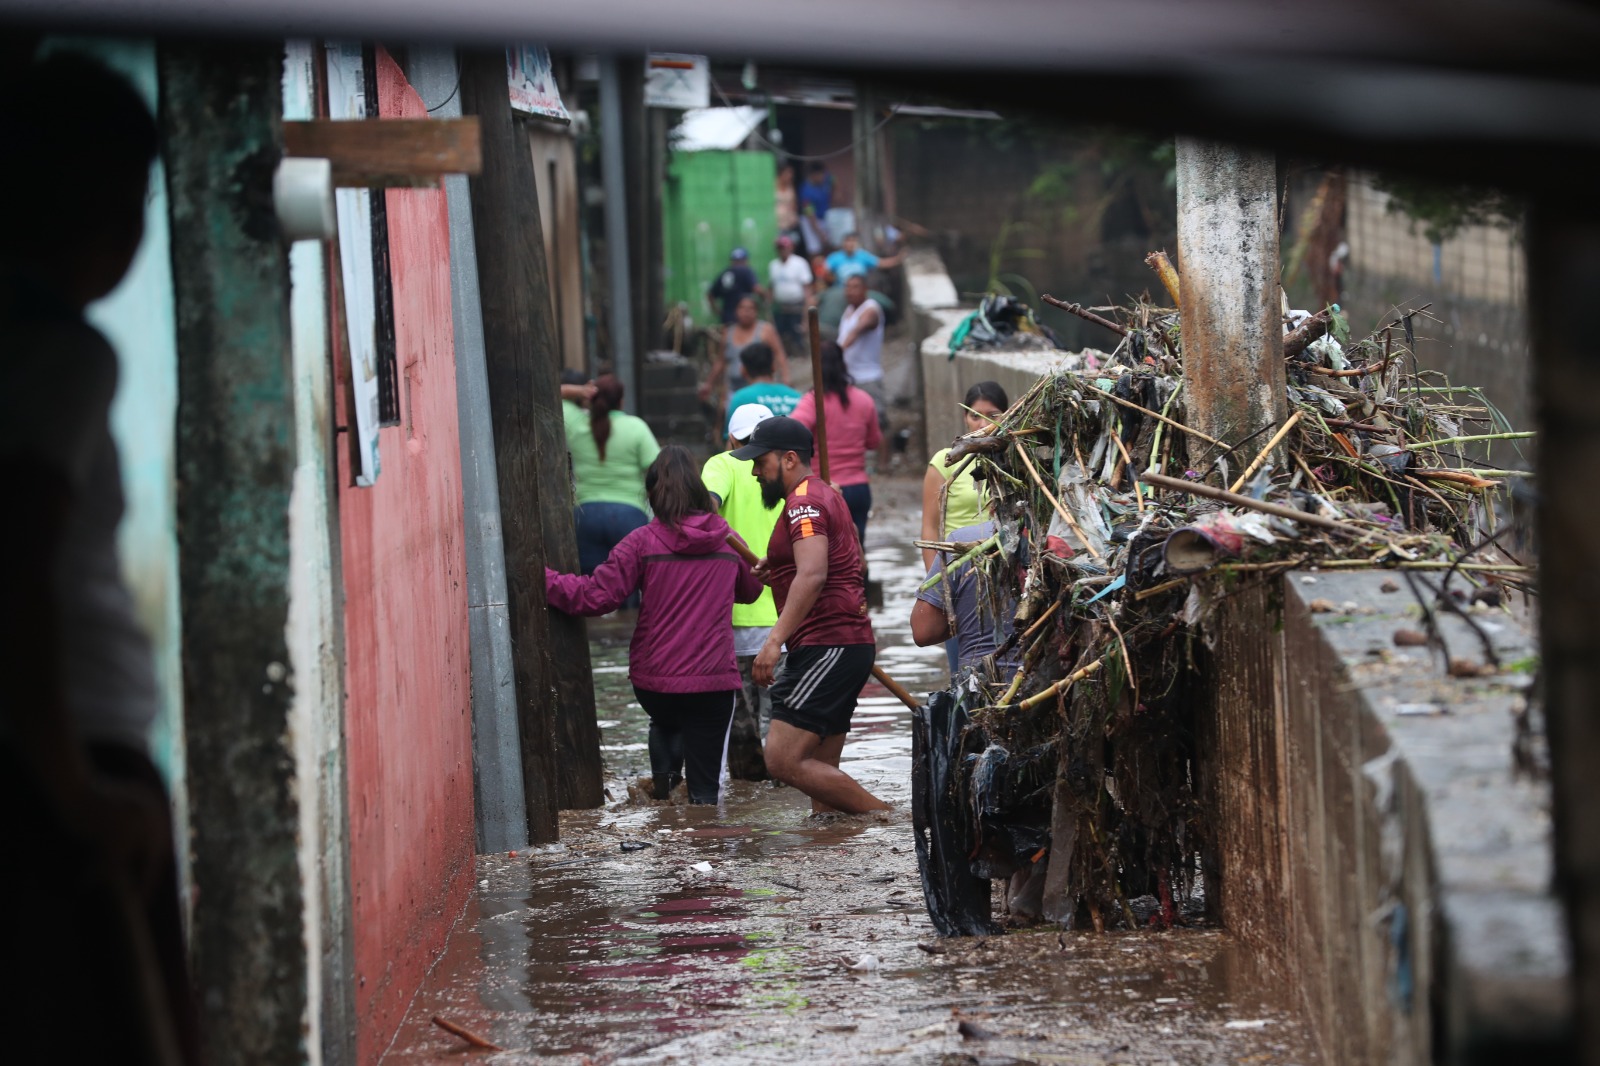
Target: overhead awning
(710, 129)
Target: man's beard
(772, 491)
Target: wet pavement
(757, 934)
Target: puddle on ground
(728, 935)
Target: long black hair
(987, 390)
(835, 378)
(674, 487)
(607, 398)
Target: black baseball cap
(779, 433)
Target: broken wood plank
(389, 153)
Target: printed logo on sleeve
(800, 520)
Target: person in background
(861, 336)
(611, 450)
(785, 203)
(964, 500)
(737, 497)
(747, 328)
(681, 657)
(791, 280)
(980, 627)
(816, 198)
(576, 389)
(777, 397)
(813, 564)
(95, 939)
(852, 432)
(735, 282)
(852, 260)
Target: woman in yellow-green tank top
(966, 503)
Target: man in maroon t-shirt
(813, 564)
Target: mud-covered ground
(757, 934)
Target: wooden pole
(814, 328)
(555, 708)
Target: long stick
(1066, 515)
(466, 1034)
(1085, 314)
(1195, 488)
(814, 327)
(1065, 683)
(895, 688)
(1130, 405)
(1277, 439)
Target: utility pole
(550, 653)
(499, 797)
(221, 118)
(868, 159)
(1233, 372)
(619, 275)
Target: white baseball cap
(746, 418)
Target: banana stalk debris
(1118, 526)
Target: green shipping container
(713, 203)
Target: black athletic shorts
(819, 684)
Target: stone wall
(1372, 843)
(1477, 284)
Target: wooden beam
(398, 152)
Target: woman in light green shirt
(966, 503)
(611, 450)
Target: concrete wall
(1476, 281)
(1373, 845)
(407, 706)
(1073, 213)
(945, 381)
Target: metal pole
(613, 176)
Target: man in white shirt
(789, 277)
(861, 337)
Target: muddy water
(755, 934)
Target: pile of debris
(1074, 776)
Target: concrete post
(1232, 324)
(220, 117)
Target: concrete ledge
(945, 381)
(1372, 840)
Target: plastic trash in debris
(636, 845)
(865, 964)
(701, 867)
(1253, 1023)
(1214, 537)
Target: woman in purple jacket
(681, 658)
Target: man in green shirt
(738, 498)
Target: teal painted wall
(713, 202)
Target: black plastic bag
(958, 902)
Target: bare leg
(827, 752)
(801, 759)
